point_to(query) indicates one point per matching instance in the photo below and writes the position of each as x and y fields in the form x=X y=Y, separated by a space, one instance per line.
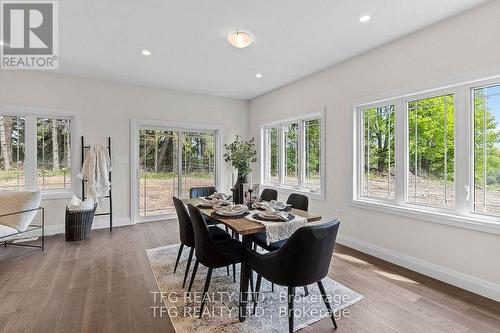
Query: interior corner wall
x=465 y=46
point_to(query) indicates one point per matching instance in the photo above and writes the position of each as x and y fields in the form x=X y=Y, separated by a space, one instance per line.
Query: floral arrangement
x=241 y=154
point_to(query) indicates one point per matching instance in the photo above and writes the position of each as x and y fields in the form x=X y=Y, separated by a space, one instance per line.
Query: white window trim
x=135 y=125
x=301 y=165
x=30 y=162
x=462 y=215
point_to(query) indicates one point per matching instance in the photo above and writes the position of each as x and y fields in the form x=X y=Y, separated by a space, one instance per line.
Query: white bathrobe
x=95 y=171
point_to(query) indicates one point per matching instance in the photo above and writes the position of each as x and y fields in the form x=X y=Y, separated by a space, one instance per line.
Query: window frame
x=462 y=214
x=301 y=165
x=31 y=115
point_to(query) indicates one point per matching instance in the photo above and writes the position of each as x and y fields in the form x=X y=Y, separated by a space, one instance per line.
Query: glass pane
x=431 y=151
x=487 y=150
x=158 y=180
x=312 y=133
x=53 y=154
x=11 y=153
x=378 y=180
x=272 y=155
x=198 y=160
x=291 y=154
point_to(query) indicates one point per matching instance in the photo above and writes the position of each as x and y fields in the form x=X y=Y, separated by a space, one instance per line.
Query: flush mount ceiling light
x=258 y=75
x=365 y=18
x=240 y=39
x=146 y=53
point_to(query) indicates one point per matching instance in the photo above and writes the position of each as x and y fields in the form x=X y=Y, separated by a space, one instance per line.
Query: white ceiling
x=187 y=38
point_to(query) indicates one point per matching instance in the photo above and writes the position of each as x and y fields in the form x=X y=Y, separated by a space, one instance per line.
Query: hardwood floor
x=103 y=284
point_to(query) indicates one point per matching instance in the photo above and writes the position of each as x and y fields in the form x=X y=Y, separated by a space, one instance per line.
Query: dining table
x=246 y=228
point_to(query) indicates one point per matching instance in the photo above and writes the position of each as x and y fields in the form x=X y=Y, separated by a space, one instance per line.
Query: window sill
x=473 y=222
x=290 y=189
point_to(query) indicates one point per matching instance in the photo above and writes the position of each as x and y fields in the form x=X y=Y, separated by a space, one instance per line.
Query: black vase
x=238 y=189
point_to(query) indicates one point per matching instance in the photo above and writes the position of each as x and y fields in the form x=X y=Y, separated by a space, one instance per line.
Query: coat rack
x=109 y=196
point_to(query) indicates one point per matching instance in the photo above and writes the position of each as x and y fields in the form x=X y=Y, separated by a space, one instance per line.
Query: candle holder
x=250 y=199
x=234 y=197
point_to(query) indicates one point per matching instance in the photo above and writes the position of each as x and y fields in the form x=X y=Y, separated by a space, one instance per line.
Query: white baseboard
x=100 y=222
x=465 y=281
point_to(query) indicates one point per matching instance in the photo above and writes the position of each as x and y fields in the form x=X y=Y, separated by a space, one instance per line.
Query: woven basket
x=79 y=223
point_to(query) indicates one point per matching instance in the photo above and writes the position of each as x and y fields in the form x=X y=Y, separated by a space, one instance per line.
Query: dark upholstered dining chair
x=304 y=259
x=196 y=192
x=268 y=194
x=210 y=253
x=298 y=201
x=186 y=234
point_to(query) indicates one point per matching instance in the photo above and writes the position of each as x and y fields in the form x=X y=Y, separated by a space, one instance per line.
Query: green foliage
x=241 y=154
x=429 y=142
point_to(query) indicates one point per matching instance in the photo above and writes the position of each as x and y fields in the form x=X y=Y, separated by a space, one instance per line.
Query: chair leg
x=272 y=287
x=205 y=290
x=188 y=266
x=234 y=273
x=255 y=246
x=257 y=289
x=306 y=291
x=291 y=296
x=195 y=268
x=178 y=256
x=251 y=285
x=227 y=269
x=325 y=299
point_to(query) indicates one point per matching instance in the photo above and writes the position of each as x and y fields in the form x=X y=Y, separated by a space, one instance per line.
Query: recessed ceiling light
x=365 y=18
x=240 y=39
x=146 y=52
x=258 y=75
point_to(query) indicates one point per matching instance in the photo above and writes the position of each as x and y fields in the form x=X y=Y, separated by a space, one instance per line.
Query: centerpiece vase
x=238 y=189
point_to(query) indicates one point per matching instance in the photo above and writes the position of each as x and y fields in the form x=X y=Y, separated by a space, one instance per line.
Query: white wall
x=105 y=109
x=463 y=47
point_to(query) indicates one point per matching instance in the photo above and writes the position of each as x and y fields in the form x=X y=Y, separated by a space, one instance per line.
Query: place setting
x=216 y=199
x=230 y=211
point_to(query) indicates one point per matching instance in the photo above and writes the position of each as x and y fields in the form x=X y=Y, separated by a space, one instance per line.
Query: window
x=378 y=153
x=170 y=162
x=11 y=153
x=293 y=154
x=431 y=151
x=35 y=153
x=413 y=152
x=487 y=150
x=272 y=147
x=312 y=134
x=53 y=154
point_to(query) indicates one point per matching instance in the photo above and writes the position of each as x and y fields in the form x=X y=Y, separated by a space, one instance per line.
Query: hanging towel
x=95 y=170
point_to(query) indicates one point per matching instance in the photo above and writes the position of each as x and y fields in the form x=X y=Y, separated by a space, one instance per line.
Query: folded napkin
x=271 y=212
x=231 y=208
x=278 y=205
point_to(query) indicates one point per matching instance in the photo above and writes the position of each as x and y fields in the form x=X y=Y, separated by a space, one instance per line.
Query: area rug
x=221 y=310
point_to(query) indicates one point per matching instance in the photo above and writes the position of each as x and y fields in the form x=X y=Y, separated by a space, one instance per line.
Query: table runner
x=277 y=231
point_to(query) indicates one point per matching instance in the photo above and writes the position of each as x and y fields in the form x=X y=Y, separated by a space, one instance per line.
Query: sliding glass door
x=169 y=163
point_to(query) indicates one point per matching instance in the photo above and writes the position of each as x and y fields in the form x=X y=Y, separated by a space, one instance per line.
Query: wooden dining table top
x=242 y=225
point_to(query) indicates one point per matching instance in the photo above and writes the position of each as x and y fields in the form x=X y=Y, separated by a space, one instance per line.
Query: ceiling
x=104 y=39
